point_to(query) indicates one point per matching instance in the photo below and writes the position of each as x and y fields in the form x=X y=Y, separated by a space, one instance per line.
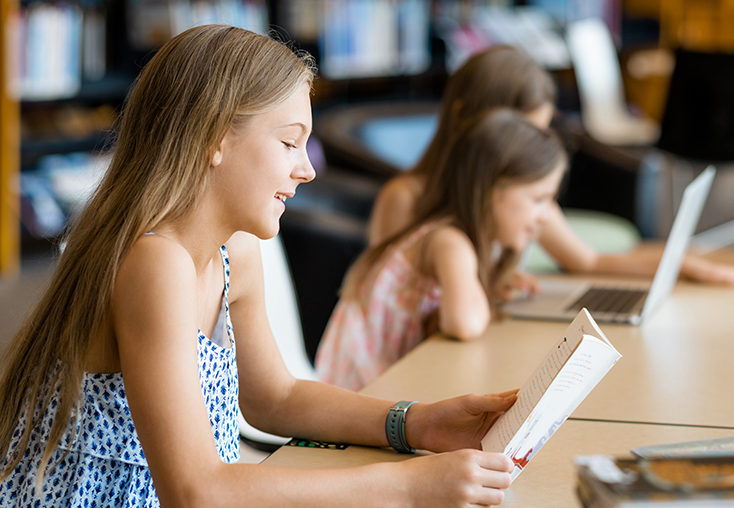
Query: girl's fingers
x=491 y=492
x=496 y=470
x=495 y=462
x=506 y=394
x=489 y=497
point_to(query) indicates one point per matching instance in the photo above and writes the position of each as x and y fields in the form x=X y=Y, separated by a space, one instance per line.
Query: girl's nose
x=304 y=171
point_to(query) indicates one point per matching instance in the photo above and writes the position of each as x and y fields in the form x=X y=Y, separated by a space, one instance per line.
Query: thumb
x=498 y=402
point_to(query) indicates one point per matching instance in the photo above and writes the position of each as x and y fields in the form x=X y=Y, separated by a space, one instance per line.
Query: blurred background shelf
x=379 y=60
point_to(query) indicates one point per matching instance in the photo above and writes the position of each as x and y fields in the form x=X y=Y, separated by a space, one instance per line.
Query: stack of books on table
x=660 y=477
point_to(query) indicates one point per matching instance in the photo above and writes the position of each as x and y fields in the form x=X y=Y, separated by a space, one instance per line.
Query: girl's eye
x=289 y=145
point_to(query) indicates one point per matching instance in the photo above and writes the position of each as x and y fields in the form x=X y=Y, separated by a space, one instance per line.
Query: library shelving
x=9 y=152
x=67 y=67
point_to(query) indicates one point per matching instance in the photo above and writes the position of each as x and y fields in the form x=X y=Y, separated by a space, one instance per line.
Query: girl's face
x=260 y=165
x=541 y=117
x=519 y=210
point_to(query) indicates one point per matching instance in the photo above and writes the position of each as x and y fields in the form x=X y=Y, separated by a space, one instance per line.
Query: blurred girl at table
x=505 y=76
x=122 y=387
x=499 y=179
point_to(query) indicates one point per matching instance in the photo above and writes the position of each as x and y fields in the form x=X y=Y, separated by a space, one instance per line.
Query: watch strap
x=395 y=427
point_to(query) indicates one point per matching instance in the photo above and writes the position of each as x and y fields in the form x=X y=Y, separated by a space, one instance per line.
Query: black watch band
x=395 y=427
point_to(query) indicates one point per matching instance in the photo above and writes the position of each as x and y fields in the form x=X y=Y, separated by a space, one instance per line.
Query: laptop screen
x=686 y=220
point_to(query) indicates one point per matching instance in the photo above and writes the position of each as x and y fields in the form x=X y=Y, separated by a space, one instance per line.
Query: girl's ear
x=218 y=155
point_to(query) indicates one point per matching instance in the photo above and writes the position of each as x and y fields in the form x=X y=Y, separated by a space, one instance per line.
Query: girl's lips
x=283 y=195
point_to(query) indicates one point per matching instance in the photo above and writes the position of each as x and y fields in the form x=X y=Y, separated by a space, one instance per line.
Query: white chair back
x=603 y=106
x=282 y=310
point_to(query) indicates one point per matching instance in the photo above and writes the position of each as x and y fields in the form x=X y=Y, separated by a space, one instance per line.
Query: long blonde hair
x=499 y=77
x=200 y=84
x=493 y=148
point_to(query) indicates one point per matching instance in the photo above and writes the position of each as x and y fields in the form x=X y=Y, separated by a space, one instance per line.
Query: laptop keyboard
x=610 y=300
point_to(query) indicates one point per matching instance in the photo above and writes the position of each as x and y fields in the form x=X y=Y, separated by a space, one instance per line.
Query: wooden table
x=549 y=480
x=677 y=367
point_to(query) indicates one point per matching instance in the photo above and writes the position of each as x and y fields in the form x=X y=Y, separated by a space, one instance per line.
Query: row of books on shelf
x=153 y=22
x=362 y=38
x=359 y=38
x=53 y=47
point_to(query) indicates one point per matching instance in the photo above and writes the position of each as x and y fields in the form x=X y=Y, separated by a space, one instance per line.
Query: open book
x=563 y=379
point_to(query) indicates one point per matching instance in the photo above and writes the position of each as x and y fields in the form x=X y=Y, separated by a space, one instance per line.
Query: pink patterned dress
x=363 y=338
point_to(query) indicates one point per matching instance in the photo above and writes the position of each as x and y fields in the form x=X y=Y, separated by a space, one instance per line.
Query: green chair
x=604 y=232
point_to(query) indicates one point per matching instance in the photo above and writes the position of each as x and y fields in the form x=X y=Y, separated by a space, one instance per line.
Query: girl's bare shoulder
x=154 y=298
x=156 y=257
x=394 y=207
x=157 y=277
x=402 y=189
x=449 y=236
x=445 y=243
x=449 y=242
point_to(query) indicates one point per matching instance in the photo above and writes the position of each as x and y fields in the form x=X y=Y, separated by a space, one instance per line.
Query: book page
x=532 y=391
x=587 y=365
x=508 y=424
x=566 y=376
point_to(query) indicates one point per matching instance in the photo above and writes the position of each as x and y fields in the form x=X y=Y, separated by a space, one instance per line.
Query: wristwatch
x=395 y=427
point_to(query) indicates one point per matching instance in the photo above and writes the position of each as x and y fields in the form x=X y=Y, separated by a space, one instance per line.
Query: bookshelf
x=366 y=49
x=73 y=63
x=9 y=149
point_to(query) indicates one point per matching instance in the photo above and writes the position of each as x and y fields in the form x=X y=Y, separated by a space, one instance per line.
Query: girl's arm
x=155 y=310
x=273 y=401
x=464 y=312
x=575 y=256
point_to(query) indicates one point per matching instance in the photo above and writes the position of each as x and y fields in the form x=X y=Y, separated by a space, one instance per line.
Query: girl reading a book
x=507 y=76
x=122 y=387
x=498 y=181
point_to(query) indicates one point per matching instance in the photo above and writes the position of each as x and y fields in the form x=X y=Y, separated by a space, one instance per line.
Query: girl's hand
x=456 y=423
x=709 y=272
x=458 y=479
x=520 y=282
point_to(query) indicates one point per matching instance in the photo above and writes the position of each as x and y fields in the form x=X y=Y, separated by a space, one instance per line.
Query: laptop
x=563 y=299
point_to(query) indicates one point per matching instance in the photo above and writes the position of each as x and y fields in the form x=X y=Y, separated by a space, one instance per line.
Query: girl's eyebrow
x=295 y=124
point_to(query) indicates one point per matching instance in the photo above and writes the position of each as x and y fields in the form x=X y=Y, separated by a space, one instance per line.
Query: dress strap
x=228 y=320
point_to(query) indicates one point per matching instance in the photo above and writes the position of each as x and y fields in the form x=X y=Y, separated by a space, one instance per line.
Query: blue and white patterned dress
x=105 y=464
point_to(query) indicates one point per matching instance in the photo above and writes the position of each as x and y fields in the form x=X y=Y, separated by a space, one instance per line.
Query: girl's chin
x=265 y=231
x=520 y=245
x=515 y=246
